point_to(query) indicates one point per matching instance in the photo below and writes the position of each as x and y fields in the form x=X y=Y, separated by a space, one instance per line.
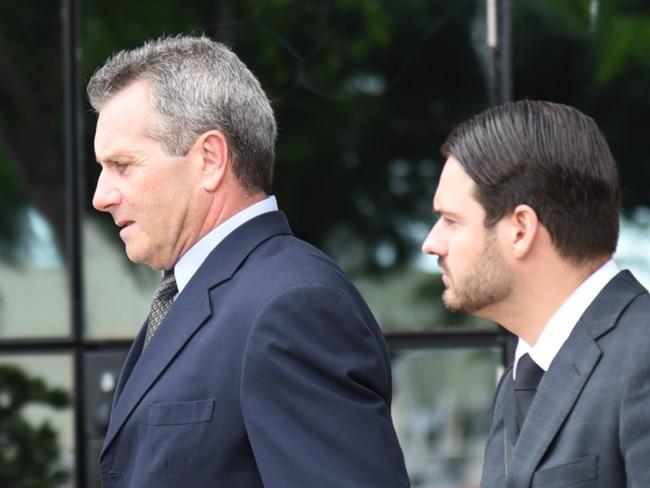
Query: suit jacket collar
x=562 y=383
x=190 y=310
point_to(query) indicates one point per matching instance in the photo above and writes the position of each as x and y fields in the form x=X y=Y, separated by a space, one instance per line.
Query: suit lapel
x=510 y=418
x=129 y=363
x=557 y=393
x=511 y=431
x=179 y=325
x=564 y=381
x=188 y=313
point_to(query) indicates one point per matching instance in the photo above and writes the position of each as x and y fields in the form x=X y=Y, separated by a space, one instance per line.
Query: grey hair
x=197 y=85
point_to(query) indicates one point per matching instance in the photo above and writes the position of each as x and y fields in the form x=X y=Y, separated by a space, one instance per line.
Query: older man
x=259 y=364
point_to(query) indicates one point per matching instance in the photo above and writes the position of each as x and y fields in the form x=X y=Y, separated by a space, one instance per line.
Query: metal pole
x=504 y=53
x=74 y=211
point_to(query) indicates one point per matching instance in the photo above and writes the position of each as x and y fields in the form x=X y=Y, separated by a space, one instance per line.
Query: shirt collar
x=558 y=329
x=194 y=257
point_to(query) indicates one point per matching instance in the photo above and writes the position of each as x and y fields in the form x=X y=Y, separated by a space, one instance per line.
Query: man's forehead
x=122 y=120
x=127 y=106
x=454 y=185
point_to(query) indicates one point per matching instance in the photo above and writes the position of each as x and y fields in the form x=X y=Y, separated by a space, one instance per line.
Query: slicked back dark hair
x=551 y=157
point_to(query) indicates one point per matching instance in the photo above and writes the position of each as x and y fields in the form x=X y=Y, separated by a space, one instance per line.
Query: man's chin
x=451 y=301
x=146 y=259
x=135 y=255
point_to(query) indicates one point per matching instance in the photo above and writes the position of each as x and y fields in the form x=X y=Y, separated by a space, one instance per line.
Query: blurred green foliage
x=592 y=54
x=365 y=91
x=29 y=454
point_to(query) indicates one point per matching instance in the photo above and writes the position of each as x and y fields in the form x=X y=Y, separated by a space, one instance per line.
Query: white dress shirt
x=194 y=257
x=561 y=324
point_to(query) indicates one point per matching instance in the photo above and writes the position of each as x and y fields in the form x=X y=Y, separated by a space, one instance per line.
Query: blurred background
x=365 y=92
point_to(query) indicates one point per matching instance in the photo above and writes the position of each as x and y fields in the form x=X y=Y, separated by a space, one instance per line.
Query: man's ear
x=523 y=227
x=214 y=152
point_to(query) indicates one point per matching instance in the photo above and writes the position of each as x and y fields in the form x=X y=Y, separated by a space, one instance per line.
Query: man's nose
x=433 y=244
x=106 y=194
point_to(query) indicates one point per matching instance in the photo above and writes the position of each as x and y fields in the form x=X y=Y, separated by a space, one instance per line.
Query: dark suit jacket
x=589 y=424
x=269 y=370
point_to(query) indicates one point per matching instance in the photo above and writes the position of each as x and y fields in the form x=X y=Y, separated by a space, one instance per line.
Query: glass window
x=36 y=421
x=34 y=298
x=364 y=98
x=118 y=293
x=441 y=409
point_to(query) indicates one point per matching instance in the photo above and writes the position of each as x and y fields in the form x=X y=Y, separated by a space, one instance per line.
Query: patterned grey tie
x=162 y=300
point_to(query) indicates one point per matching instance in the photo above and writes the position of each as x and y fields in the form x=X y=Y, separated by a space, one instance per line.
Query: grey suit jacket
x=589 y=424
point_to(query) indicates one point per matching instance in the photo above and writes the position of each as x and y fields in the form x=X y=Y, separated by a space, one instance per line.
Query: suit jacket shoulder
x=587 y=422
x=269 y=370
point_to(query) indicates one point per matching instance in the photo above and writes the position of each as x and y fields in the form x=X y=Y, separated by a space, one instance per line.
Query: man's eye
x=448 y=221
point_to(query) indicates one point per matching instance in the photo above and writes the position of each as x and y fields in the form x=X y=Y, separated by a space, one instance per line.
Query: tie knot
x=163 y=298
x=529 y=373
x=167 y=288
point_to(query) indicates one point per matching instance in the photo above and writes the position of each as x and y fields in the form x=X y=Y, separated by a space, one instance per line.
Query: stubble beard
x=489 y=283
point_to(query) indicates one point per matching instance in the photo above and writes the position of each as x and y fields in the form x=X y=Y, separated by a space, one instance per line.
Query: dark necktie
x=528 y=377
x=163 y=298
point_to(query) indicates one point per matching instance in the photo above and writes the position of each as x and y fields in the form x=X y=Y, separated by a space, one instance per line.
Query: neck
x=219 y=213
x=539 y=293
x=226 y=207
x=216 y=212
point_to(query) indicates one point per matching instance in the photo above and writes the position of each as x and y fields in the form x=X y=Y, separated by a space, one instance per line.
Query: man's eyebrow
x=101 y=161
x=114 y=158
x=441 y=210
